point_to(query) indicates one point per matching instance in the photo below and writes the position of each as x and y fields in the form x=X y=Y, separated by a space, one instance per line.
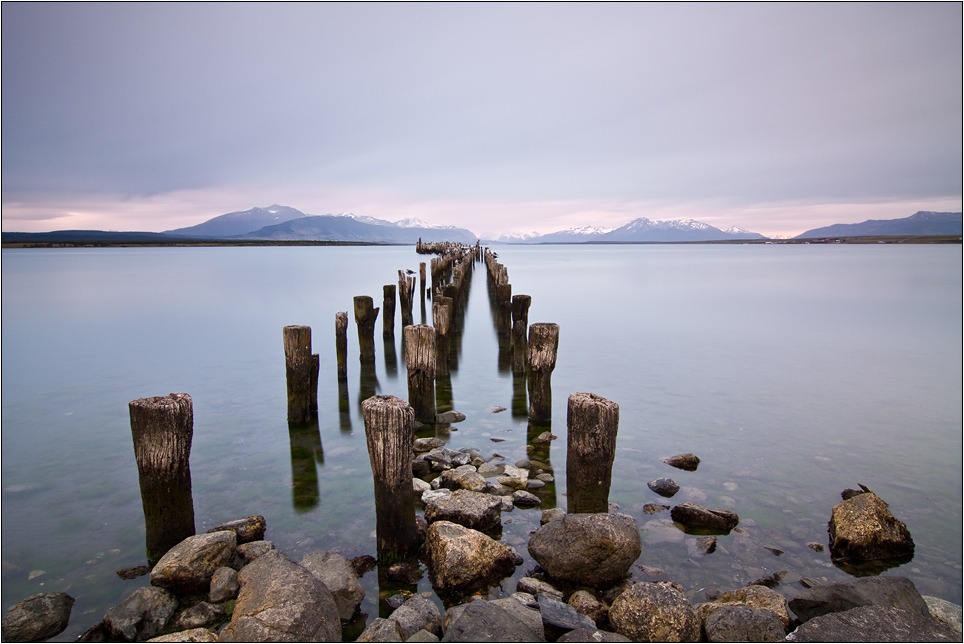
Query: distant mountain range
x=638 y=230
x=922 y=222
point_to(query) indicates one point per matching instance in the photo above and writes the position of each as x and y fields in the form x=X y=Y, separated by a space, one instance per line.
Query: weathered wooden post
x=406 y=288
x=365 y=317
x=388 y=311
x=162 y=429
x=420 y=361
x=592 y=422
x=543 y=345
x=341 y=343
x=442 y=321
x=390 y=433
x=299 y=366
x=520 y=322
x=421 y=278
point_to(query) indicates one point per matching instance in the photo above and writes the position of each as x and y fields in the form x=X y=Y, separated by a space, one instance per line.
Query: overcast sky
x=497 y=117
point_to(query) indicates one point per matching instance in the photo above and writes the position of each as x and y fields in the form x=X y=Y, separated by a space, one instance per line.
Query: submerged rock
x=664 y=487
x=690 y=515
x=687 y=462
x=592 y=549
x=863 y=528
x=38 y=617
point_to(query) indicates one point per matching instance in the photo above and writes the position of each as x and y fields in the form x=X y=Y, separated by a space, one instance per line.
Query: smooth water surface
x=793 y=372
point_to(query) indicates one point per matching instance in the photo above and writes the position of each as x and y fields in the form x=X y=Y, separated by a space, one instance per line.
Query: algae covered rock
x=862 y=528
x=650 y=612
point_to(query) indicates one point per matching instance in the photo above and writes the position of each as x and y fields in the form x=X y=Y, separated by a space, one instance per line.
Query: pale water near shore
x=792 y=371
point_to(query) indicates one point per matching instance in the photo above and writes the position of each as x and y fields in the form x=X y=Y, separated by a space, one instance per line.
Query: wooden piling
x=390 y=433
x=520 y=322
x=543 y=345
x=388 y=310
x=365 y=316
x=341 y=343
x=421 y=278
x=299 y=366
x=162 y=429
x=406 y=290
x=592 y=423
x=442 y=321
x=420 y=361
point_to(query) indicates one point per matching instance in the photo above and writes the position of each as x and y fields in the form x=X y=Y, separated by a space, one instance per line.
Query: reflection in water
x=306 y=452
x=367 y=382
x=391 y=358
x=443 y=392
x=538 y=443
x=520 y=401
x=344 y=406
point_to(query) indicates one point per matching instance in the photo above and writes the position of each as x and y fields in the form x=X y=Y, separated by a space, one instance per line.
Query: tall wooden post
x=365 y=317
x=442 y=309
x=299 y=366
x=341 y=343
x=390 y=433
x=162 y=429
x=592 y=422
x=420 y=361
x=388 y=311
x=520 y=322
x=421 y=278
x=543 y=345
x=406 y=288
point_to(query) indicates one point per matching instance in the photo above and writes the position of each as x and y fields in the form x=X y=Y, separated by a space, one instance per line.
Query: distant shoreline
x=55 y=242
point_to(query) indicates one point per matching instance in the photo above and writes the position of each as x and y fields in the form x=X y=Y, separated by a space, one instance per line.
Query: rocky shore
x=232 y=585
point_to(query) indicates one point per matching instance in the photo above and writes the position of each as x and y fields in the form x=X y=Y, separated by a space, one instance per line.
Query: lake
x=792 y=371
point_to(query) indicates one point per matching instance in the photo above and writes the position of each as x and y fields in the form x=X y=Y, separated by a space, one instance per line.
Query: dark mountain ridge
x=923 y=222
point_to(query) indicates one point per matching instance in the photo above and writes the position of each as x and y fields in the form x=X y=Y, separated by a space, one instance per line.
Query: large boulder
x=755 y=597
x=187 y=568
x=281 y=601
x=558 y=618
x=141 y=616
x=650 y=612
x=947 y=613
x=592 y=549
x=837 y=597
x=483 y=621
x=471 y=509
x=691 y=515
x=732 y=623
x=248 y=529
x=339 y=577
x=462 y=559
x=862 y=528
x=191 y=635
x=416 y=614
x=38 y=617
x=872 y=624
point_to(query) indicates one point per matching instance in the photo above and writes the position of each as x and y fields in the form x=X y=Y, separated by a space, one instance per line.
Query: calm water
x=792 y=371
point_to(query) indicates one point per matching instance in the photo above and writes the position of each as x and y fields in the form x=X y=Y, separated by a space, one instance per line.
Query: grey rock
x=38 y=617
x=382 y=630
x=187 y=568
x=535 y=484
x=525 y=499
x=527 y=610
x=428 y=495
x=899 y=592
x=863 y=528
x=535 y=587
x=649 y=612
x=423 y=636
x=488 y=470
x=592 y=549
x=743 y=624
x=142 y=615
x=418 y=613
x=664 y=487
x=282 y=601
x=514 y=477
x=684 y=462
x=427 y=444
x=419 y=487
x=463 y=477
x=462 y=559
x=526 y=599
x=872 y=624
x=254 y=549
x=224 y=585
x=498 y=489
x=551 y=515
x=559 y=618
x=191 y=635
x=585 y=635
x=757 y=597
x=585 y=603
x=200 y=615
x=461 y=458
x=483 y=621
x=247 y=529
x=449 y=417
x=339 y=577
x=946 y=613
x=691 y=515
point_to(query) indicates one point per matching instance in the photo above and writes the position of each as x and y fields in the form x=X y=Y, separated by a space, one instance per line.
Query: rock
x=535 y=587
x=584 y=635
x=862 y=528
x=440 y=459
x=526 y=608
x=507 y=504
x=463 y=559
x=142 y=615
x=946 y=613
x=200 y=615
x=514 y=477
x=248 y=530
x=743 y=624
x=339 y=577
x=419 y=487
x=585 y=603
x=187 y=568
x=449 y=417
x=816 y=547
x=420 y=466
x=899 y=592
x=254 y=549
x=524 y=499
x=551 y=515
x=687 y=462
x=690 y=515
x=664 y=487
x=649 y=612
x=758 y=597
x=192 y=635
x=423 y=636
x=462 y=458
x=405 y=572
x=382 y=630
x=418 y=613
x=38 y=617
x=427 y=444
x=470 y=509
x=488 y=470
x=558 y=618
x=224 y=585
x=592 y=549
x=872 y=624
x=484 y=621
x=282 y=601
x=363 y=564
x=654 y=508
x=133 y=572
x=429 y=495
x=544 y=438
x=535 y=484
x=463 y=477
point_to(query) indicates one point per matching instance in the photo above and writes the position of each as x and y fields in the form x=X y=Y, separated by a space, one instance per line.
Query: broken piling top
x=341 y=343
x=365 y=315
x=420 y=359
x=543 y=346
x=300 y=373
x=592 y=423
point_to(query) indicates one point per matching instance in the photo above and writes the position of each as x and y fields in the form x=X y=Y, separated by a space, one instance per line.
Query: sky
x=499 y=118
